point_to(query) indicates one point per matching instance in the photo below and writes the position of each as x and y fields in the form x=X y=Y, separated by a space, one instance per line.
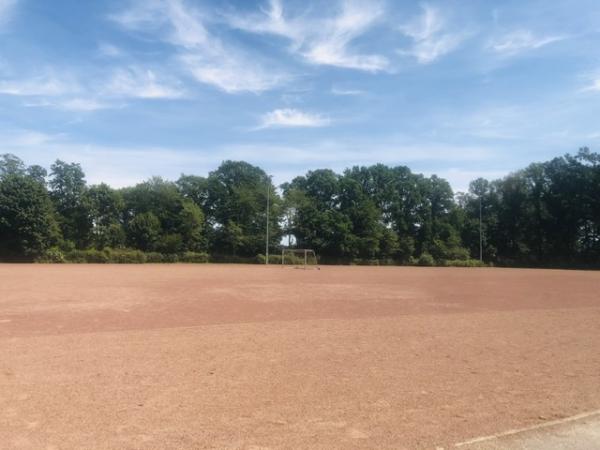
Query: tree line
x=547 y=214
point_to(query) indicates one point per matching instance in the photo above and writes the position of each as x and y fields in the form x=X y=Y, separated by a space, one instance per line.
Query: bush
x=154 y=257
x=87 y=256
x=426 y=260
x=170 y=258
x=125 y=256
x=364 y=262
x=273 y=259
x=230 y=259
x=52 y=255
x=194 y=257
x=463 y=263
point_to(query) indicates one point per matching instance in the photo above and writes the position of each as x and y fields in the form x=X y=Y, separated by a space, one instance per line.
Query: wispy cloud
x=594 y=86
x=6 y=8
x=289 y=117
x=522 y=40
x=204 y=56
x=430 y=35
x=346 y=92
x=318 y=40
x=64 y=91
x=134 y=82
x=592 y=83
x=45 y=85
x=74 y=104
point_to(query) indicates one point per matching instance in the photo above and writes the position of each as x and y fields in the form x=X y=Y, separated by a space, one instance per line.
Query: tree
x=106 y=206
x=181 y=222
x=191 y=226
x=38 y=173
x=68 y=189
x=144 y=231
x=27 y=224
x=367 y=228
x=11 y=165
x=194 y=188
x=236 y=209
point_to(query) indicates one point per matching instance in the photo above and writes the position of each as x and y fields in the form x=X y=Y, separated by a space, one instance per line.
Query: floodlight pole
x=480 y=232
x=267 y=236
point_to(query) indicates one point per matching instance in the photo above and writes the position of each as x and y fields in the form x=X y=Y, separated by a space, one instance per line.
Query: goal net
x=303 y=258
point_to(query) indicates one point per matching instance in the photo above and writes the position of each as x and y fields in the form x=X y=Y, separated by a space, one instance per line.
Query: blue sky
x=135 y=88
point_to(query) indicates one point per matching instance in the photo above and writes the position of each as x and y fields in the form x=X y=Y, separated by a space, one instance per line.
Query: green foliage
x=106 y=206
x=194 y=257
x=119 y=256
x=52 y=255
x=11 y=165
x=194 y=188
x=236 y=209
x=290 y=259
x=91 y=256
x=67 y=190
x=462 y=263
x=426 y=260
x=170 y=244
x=27 y=222
x=144 y=231
x=158 y=217
x=125 y=256
x=545 y=214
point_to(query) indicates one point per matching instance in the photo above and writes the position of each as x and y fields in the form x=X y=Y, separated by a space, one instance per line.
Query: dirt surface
x=252 y=357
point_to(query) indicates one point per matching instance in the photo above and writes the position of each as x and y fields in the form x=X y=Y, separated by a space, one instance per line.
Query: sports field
x=253 y=357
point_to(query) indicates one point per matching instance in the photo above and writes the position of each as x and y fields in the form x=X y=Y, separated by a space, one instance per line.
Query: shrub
x=463 y=263
x=230 y=259
x=194 y=257
x=426 y=260
x=52 y=255
x=87 y=256
x=125 y=256
x=169 y=258
x=75 y=256
x=154 y=257
x=273 y=259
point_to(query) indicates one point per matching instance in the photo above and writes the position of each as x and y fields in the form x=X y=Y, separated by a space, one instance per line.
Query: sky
x=136 y=88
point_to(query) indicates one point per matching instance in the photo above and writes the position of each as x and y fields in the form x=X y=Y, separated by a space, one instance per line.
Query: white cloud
x=321 y=41
x=63 y=91
x=74 y=104
x=346 y=92
x=522 y=40
x=137 y=83
x=204 y=56
x=46 y=85
x=431 y=39
x=591 y=81
x=593 y=86
x=289 y=117
x=230 y=71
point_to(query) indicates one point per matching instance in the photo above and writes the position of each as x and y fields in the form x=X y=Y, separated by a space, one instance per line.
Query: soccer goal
x=304 y=258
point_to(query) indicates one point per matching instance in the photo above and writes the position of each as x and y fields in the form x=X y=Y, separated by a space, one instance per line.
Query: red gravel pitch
x=251 y=357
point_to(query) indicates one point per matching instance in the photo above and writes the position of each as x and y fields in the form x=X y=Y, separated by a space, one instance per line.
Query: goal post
x=299 y=257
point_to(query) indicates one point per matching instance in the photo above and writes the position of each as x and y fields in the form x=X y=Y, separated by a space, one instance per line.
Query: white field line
x=531 y=428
